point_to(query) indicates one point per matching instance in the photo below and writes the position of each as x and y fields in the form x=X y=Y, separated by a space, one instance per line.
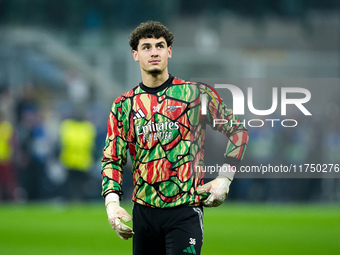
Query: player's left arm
x=238 y=137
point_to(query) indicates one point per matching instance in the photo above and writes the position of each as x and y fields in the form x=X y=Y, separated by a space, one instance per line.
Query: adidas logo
x=190 y=250
x=139 y=114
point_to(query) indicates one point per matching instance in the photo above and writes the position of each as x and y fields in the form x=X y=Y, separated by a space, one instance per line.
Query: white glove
x=116 y=215
x=216 y=190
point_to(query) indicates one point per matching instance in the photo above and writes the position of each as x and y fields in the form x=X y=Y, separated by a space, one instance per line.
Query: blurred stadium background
x=71 y=59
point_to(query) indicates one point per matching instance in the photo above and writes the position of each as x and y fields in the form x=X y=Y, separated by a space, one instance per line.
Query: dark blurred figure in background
x=33 y=148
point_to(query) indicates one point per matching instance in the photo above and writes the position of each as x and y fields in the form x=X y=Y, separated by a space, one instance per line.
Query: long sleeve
x=221 y=118
x=115 y=151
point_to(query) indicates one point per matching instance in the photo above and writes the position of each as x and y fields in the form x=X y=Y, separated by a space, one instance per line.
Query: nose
x=154 y=52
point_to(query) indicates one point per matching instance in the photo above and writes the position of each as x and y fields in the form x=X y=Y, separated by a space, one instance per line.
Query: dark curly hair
x=150 y=29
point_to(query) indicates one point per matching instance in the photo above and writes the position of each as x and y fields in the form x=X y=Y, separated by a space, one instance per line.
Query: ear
x=169 y=52
x=135 y=55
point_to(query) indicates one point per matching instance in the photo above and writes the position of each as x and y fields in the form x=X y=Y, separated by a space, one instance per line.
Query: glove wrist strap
x=227 y=171
x=111 y=198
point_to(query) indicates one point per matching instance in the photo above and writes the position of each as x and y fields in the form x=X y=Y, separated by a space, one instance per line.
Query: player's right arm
x=113 y=161
x=115 y=152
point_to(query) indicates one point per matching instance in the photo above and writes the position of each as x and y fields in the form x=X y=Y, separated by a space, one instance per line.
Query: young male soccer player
x=160 y=123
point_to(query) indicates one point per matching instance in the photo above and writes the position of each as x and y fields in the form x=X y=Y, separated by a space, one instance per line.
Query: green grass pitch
x=230 y=229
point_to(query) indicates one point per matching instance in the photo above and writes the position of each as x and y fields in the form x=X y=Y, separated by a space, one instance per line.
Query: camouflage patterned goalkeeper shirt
x=163 y=130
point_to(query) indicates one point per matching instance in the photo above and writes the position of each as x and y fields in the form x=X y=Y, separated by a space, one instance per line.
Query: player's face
x=152 y=54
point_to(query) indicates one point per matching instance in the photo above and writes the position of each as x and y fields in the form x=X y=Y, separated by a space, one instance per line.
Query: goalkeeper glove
x=116 y=215
x=216 y=191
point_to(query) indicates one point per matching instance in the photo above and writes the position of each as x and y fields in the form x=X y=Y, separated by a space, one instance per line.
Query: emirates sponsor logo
x=157 y=131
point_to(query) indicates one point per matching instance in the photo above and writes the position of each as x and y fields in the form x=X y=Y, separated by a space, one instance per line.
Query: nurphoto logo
x=239 y=105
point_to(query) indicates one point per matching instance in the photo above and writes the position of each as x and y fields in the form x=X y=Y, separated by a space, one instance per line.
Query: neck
x=154 y=81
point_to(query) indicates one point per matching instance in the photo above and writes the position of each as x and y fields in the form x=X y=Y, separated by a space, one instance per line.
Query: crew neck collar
x=167 y=83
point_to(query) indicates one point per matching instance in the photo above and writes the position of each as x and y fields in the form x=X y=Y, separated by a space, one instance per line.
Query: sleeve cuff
x=232 y=161
x=119 y=193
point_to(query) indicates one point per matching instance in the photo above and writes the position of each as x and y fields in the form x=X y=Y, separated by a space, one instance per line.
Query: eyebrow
x=158 y=43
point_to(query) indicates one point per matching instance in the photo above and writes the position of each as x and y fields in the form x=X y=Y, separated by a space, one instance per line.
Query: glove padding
x=116 y=215
x=216 y=191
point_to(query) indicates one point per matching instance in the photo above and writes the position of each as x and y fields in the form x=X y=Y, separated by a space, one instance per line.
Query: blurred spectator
x=297 y=146
x=78 y=89
x=263 y=150
x=77 y=140
x=6 y=103
x=331 y=150
x=8 y=181
x=32 y=147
